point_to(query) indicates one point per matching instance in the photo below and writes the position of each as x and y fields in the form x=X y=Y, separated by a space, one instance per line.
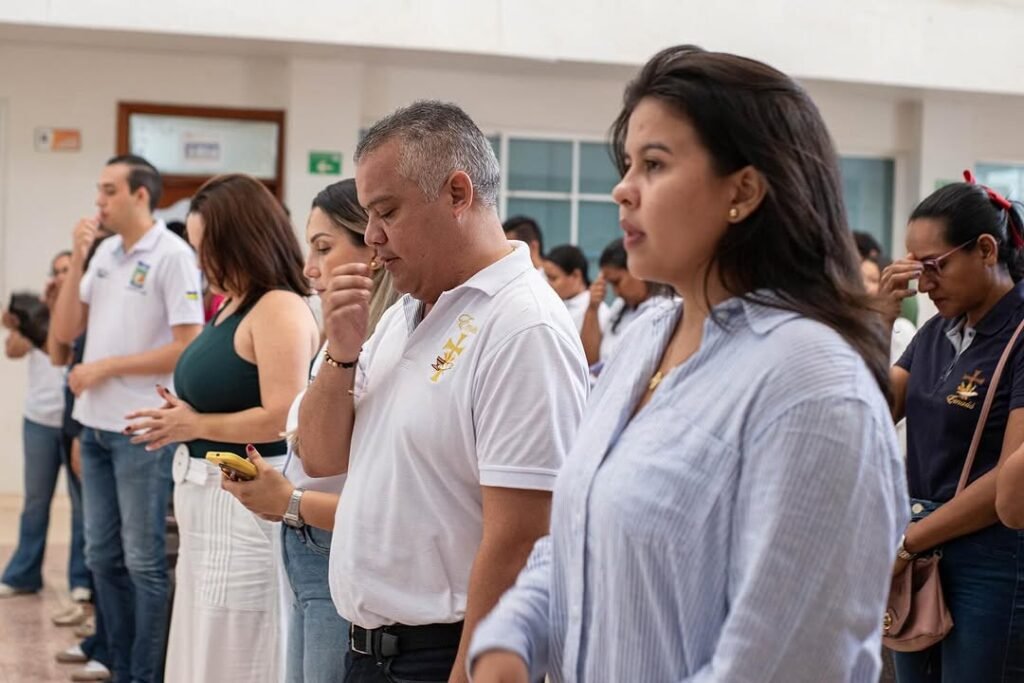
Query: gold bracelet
x=338 y=364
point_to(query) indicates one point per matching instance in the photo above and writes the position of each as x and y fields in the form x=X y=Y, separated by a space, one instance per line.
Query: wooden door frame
x=180 y=186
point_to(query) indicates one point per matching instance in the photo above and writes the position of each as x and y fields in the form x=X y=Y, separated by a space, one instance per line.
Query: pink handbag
x=916 y=617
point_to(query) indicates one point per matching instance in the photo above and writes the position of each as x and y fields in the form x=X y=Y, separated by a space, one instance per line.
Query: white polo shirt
x=134 y=299
x=487 y=390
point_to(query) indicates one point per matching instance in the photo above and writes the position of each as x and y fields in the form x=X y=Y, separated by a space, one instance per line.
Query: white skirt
x=226 y=620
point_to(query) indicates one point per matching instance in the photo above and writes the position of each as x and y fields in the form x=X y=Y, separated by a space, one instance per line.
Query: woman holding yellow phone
x=307 y=504
x=234 y=384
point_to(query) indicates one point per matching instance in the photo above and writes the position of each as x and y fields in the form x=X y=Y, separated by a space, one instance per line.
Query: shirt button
x=917 y=508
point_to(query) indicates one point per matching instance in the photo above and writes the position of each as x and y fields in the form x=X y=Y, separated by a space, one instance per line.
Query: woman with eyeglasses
x=965 y=243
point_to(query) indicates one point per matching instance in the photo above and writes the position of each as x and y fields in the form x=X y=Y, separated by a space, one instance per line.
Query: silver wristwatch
x=291 y=516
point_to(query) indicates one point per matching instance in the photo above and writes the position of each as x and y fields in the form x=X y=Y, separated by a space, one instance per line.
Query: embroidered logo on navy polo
x=966 y=391
x=453 y=348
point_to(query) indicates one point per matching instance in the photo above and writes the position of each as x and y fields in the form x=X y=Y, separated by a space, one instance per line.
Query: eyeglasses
x=933 y=265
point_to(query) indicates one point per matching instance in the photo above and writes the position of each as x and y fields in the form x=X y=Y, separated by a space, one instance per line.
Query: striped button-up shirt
x=741 y=527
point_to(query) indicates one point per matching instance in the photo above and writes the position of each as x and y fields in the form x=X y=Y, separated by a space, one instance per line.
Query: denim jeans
x=317 y=636
x=95 y=646
x=126 y=491
x=983 y=584
x=44 y=455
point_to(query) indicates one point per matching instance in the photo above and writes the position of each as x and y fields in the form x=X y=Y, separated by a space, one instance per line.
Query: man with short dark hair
x=140 y=304
x=526 y=229
x=453 y=419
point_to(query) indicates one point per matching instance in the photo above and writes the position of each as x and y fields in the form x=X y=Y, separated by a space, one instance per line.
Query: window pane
x=599 y=225
x=597 y=172
x=1004 y=179
x=553 y=217
x=867 y=190
x=540 y=165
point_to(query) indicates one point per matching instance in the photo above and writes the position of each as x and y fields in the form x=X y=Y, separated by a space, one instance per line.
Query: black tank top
x=212 y=378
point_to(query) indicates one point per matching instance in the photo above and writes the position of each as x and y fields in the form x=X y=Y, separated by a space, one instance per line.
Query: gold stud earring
x=734 y=213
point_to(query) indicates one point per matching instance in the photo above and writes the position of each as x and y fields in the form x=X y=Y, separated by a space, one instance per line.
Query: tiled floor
x=28 y=640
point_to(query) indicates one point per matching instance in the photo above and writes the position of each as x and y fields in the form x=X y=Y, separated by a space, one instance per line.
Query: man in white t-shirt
x=453 y=419
x=140 y=305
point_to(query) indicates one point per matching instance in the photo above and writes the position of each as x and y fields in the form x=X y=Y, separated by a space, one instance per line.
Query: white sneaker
x=81 y=594
x=93 y=671
x=10 y=591
x=72 y=655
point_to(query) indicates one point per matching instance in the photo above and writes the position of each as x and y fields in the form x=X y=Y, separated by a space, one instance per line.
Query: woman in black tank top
x=235 y=383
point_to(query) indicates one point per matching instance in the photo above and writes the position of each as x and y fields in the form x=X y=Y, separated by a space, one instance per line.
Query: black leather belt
x=391 y=641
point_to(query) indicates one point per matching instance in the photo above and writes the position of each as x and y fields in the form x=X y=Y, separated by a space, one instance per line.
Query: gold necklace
x=655 y=381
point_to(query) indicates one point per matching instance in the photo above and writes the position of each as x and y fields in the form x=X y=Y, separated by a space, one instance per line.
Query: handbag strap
x=986 y=407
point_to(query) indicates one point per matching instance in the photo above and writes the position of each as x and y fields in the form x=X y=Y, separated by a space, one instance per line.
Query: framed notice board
x=189 y=145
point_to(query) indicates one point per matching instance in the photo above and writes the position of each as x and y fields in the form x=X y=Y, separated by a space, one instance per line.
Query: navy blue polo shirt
x=945 y=393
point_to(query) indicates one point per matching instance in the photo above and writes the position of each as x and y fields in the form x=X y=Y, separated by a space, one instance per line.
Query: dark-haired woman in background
x=732 y=503
x=566 y=268
x=964 y=244
x=307 y=505
x=602 y=330
x=235 y=383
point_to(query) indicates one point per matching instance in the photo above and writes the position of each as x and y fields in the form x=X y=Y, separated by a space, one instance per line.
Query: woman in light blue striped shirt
x=735 y=496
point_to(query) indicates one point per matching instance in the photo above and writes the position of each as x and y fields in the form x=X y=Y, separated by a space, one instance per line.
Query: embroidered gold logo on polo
x=454 y=347
x=966 y=390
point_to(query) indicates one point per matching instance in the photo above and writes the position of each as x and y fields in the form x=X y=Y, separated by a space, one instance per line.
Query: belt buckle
x=355 y=646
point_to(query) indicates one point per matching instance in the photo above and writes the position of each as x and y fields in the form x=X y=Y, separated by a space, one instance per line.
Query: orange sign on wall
x=58 y=139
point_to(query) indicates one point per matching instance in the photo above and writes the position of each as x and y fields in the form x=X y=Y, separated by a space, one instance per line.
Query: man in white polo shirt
x=453 y=419
x=140 y=305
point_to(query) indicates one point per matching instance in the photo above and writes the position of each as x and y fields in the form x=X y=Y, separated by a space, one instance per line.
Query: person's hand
x=346 y=310
x=174 y=422
x=900 y=566
x=86 y=375
x=9 y=320
x=500 y=666
x=598 y=290
x=267 y=495
x=894 y=286
x=83 y=237
x=51 y=292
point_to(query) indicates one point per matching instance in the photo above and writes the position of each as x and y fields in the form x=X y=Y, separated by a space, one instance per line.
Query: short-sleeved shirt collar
x=490 y=280
x=147 y=242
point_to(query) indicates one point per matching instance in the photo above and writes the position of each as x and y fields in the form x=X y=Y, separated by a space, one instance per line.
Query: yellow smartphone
x=240 y=466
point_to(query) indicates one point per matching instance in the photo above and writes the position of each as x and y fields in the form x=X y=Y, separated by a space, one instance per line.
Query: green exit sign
x=325 y=163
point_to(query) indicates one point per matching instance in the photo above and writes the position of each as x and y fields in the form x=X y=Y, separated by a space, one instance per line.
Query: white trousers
x=226 y=620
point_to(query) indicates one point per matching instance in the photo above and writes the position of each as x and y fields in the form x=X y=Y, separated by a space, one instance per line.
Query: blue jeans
x=95 y=646
x=126 y=492
x=44 y=454
x=983 y=584
x=317 y=636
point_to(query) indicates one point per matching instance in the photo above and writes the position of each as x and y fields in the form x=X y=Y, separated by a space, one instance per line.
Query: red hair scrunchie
x=1004 y=204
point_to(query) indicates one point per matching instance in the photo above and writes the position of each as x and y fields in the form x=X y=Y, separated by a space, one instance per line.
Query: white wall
x=918 y=43
x=932 y=135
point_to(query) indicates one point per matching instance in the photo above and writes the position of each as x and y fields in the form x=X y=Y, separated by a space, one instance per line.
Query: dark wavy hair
x=248 y=242
x=797 y=244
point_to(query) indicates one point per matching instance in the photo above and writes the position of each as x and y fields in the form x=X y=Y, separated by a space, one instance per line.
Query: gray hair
x=437 y=138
